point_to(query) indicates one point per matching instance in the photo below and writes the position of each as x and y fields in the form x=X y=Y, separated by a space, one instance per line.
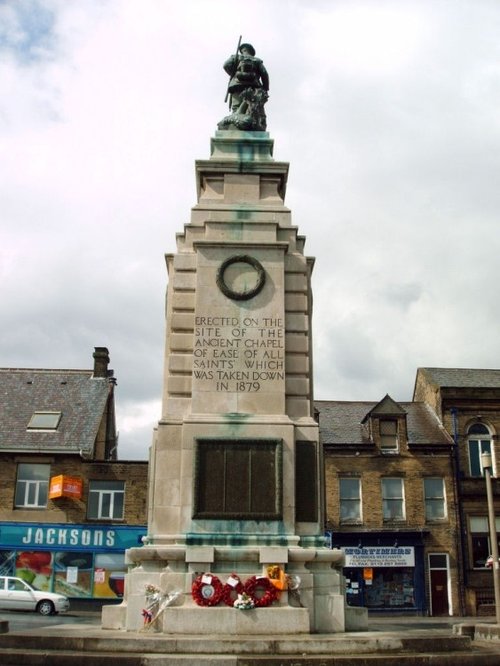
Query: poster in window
x=109 y=575
x=7 y=562
x=35 y=567
x=73 y=573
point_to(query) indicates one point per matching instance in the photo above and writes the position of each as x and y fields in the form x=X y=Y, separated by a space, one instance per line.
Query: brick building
x=68 y=507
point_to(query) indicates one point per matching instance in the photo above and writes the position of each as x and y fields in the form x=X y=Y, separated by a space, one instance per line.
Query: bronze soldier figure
x=248 y=90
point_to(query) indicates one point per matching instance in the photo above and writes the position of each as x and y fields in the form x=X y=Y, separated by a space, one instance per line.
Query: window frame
x=482 y=443
x=346 y=501
x=43 y=413
x=103 y=495
x=39 y=488
x=388 y=517
x=392 y=437
x=432 y=500
x=484 y=534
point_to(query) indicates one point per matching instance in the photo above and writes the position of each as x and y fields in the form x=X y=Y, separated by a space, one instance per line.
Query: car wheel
x=45 y=607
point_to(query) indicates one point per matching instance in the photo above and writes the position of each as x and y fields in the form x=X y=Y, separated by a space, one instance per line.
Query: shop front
x=80 y=561
x=383 y=573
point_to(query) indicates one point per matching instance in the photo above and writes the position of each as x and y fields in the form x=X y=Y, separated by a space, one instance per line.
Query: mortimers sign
x=380 y=557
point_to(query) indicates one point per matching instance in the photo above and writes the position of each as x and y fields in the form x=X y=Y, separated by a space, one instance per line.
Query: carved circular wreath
x=244 y=294
x=231 y=589
x=261 y=591
x=207 y=590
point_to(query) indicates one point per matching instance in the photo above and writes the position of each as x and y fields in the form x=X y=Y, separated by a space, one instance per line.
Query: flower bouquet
x=244 y=602
x=152 y=594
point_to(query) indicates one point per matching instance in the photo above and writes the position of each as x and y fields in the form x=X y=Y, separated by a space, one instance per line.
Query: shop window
x=32 y=485
x=388 y=436
x=478 y=441
x=44 y=421
x=435 y=504
x=73 y=573
x=480 y=540
x=350 y=500
x=391 y=588
x=393 y=506
x=106 y=500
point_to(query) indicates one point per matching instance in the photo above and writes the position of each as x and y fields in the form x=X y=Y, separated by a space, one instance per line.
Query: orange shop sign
x=65 y=486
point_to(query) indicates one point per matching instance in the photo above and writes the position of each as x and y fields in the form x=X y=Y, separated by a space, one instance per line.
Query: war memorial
x=235 y=539
x=234 y=568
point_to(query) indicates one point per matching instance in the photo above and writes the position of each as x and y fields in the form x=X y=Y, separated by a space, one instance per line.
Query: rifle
x=236 y=56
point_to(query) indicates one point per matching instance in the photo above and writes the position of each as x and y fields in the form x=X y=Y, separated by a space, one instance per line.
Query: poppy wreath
x=231 y=589
x=261 y=583
x=206 y=590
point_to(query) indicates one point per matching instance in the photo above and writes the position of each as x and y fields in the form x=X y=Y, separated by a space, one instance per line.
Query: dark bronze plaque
x=306 y=483
x=238 y=479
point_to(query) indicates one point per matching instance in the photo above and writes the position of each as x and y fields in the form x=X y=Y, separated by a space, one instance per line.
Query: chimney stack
x=101 y=360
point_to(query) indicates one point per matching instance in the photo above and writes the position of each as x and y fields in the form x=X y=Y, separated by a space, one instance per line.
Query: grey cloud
x=392 y=180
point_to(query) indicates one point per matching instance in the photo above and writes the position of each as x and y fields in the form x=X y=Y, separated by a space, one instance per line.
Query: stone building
x=68 y=507
x=406 y=495
x=391 y=504
x=467 y=402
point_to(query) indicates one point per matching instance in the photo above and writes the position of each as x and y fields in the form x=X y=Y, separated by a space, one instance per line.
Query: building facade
x=391 y=505
x=68 y=507
x=467 y=401
x=406 y=493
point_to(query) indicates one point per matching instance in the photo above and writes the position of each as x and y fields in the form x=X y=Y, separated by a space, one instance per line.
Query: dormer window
x=388 y=436
x=387 y=425
x=44 y=421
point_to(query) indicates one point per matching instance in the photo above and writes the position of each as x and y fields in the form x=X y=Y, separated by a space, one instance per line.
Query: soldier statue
x=247 y=90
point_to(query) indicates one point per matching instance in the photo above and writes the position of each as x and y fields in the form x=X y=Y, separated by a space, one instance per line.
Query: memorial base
x=316 y=606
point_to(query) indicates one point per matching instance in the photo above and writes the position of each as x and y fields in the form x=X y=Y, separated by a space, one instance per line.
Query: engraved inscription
x=238 y=354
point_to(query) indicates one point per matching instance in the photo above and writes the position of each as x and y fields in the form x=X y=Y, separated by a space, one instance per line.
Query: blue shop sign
x=70 y=537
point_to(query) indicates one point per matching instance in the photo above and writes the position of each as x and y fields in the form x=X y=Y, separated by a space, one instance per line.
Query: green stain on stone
x=235 y=538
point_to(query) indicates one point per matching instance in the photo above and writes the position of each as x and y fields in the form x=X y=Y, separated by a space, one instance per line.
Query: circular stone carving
x=247 y=292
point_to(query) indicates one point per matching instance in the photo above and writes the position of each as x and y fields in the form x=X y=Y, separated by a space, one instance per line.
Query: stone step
x=150 y=643
x=20 y=657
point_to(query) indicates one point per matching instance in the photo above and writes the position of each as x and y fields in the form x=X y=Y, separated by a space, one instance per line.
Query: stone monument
x=236 y=475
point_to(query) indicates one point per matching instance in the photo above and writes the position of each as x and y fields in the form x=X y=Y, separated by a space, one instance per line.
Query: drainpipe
x=462 y=551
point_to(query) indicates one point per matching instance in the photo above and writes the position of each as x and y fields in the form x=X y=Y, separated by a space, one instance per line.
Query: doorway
x=439 y=584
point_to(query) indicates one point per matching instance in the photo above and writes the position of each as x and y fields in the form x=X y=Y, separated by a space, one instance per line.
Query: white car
x=16 y=594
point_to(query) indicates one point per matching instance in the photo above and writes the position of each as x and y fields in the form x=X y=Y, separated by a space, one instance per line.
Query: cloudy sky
x=388 y=112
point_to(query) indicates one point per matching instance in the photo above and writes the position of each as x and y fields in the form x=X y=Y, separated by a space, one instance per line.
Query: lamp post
x=488 y=466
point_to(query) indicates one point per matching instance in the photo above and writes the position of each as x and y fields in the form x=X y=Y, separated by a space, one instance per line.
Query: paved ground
x=19 y=621
x=389 y=641
x=408 y=623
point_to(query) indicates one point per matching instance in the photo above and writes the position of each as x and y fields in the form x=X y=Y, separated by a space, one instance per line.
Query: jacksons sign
x=380 y=557
x=70 y=536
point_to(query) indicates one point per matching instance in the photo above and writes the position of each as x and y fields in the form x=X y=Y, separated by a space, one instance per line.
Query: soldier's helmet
x=249 y=47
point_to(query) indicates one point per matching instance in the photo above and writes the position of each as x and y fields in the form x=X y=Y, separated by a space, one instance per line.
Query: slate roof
x=341 y=423
x=461 y=377
x=80 y=397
